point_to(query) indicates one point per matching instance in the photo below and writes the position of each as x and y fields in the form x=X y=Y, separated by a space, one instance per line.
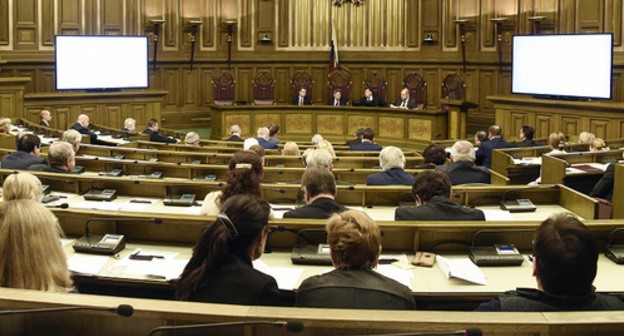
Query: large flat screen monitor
x=563 y=66
x=101 y=62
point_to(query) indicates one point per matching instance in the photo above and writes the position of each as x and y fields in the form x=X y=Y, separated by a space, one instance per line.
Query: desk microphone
x=121 y=310
x=292 y=326
x=58 y=206
x=466 y=332
x=108 y=244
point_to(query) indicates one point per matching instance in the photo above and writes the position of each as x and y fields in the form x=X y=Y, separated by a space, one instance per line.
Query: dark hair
x=566 y=255
x=258 y=150
x=244 y=176
x=368 y=134
x=319 y=180
x=249 y=215
x=359 y=132
x=435 y=154
x=495 y=130
x=482 y=136
x=28 y=142
x=152 y=122
x=431 y=183
x=529 y=131
x=273 y=129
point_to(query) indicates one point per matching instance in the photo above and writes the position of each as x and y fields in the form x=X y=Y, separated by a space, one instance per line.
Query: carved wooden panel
x=590 y=16
x=517 y=120
x=283 y=37
x=70 y=17
x=46 y=81
x=571 y=125
x=487 y=86
x=7 y=104
x=330 y=124
x=47 y=23
x=450 y=12
x=282 y=75
x=170 y=83
x=390 y=127
x=139 y=112
x=112 y=116
x=206 y=92
x=243 y=86
x=62 y=118
x=613 y=20
x=412 y=17
x=394 y=80
x=111 y=17
x=25 y=25
x=419 y=129
x=355 y=121
x=171 y=29
x=620 y=130
x=432 y=78
x=266 y=119
x=298 y=123
x=600 y=127
x=544 y=124
x=245 y=25
x=191 y=88
x=209 y=27
x=4 y=22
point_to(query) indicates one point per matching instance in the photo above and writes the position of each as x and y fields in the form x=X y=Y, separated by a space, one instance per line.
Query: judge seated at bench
x=319 y=192
x=337 y=99
x=369 y=99
x=301 y=98
x=392 y=161
x=462 y=169
x=565 y=258
x=432 y=190
x=404 y=101
x=355 y=245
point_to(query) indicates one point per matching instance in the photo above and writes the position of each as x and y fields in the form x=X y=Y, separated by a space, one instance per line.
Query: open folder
x=461 y=268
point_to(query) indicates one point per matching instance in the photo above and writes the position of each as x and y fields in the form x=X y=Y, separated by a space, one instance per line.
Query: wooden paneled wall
x=390 y=37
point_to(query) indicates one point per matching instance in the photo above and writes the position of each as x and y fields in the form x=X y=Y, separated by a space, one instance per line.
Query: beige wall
x=384 y=36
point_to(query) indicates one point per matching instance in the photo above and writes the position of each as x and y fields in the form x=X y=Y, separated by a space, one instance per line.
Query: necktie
x=300 y=100
x=403 y=103
x=336 y=103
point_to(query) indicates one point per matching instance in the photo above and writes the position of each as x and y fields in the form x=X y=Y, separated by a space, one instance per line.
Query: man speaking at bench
x=565 y=258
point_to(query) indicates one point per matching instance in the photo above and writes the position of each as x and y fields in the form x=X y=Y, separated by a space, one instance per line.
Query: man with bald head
x=462 y=169
x=45 y=117
x=82 y=126
x=484 y=154
x=404 y=101
x=235 y=134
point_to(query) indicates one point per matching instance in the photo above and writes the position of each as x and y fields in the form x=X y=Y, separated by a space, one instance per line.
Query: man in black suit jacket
x=404 y=101
x=368 y=136
x=152 y=130
x=484 y=154
x=302 y=98
x=236 y=133
x=392 y=161
x=337 y=99
x=27 y=154
x=358 y=137
x=604 y=187
x=370 y=99
x=82 y=126
x=463 y=170
x=527 y=132
x=319 y=191
x=432 y=189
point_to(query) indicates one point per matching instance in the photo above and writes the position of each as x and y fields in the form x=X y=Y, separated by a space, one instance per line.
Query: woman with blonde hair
x=31 y=256
x=5 y=125
x=22 y=186
x=324 y=144
x=598 y=145
x=290 y=149
x=355 y=245
x=73 y=138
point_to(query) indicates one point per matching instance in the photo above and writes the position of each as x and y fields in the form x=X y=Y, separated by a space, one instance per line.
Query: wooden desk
x=403 y=128
x=505 y=162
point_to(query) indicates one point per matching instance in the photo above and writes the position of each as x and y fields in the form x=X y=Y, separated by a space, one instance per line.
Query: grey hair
x=319 y=158
x=463 y=151
x=316 y=138
x=391 y=157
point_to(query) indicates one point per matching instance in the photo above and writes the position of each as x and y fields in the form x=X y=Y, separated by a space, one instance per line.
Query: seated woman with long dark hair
x=220 y=270
x=243 y=177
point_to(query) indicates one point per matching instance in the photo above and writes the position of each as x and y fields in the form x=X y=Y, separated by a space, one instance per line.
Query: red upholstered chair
x=377 y=84
x=263 y=89
x=223 y=84
x=301 y=80
x=453 y=87
x=339 y=79
x=417 y=88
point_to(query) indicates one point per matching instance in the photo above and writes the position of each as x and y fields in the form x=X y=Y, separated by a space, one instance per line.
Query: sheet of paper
x=130 y=206
x=398 y=274
x=461 y=268
x=93 y=205
x=65 y=241
x=497 y=215
x=166 y=267
x=86 y=263
x=287 y=277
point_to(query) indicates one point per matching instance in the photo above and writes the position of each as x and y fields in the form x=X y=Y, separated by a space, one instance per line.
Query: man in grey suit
x=463 y=169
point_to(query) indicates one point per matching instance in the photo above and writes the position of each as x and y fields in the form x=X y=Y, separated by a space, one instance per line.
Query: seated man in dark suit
x=319 y=191
x=45 y=117
x=82 y=126
x=27 y=154
x=604 y=187
x=337 y=99
x=432 y=190
x=358 y=137
x=263 y=138
x=61 y=159
x=463 y=170
x=301 y=98
x=370 y=99
x=368 y=136
x=484 y=154
x=355 y=244
x=404 y=101
x=152 y=130
x=392 y=161
x=235 y=134
x=565 y=258
x=527 y=132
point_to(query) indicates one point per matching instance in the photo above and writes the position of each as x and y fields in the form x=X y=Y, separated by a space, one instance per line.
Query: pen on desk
x=530 y=257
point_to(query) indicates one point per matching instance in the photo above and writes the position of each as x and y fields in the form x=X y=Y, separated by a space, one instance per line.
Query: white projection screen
x=101 y=62
x=563 y=66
